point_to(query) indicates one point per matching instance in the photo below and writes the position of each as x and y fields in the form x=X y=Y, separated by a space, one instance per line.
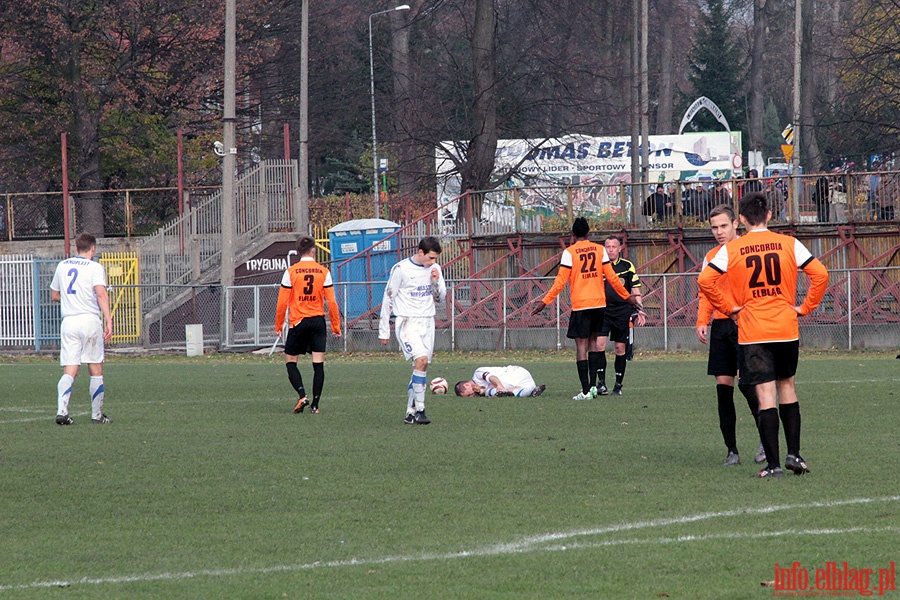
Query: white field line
x=539 y=543
x=45 y=415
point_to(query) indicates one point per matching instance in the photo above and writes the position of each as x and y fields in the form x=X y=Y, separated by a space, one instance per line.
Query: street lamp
x=372 y=84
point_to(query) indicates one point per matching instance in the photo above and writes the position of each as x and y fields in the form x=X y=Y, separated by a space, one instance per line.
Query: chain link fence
x=860 y=310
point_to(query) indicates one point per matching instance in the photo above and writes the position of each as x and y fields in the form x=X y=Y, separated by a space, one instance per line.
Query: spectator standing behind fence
x=762 y=268
x=753 y=184
x=719 y=194
x=822 y=198
x=79 y=285
x=658 y=205
x=689 y=200
x=776 y=200
x=305 y=287
x=583 y=266
x=838 y=197
x=414 y=286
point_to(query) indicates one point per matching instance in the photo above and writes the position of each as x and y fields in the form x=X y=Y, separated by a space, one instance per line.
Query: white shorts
x=415 y=335
x=517 y=377
x=81 y=340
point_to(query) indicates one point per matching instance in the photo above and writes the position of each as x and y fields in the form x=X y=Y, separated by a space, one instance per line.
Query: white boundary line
x=529 y=544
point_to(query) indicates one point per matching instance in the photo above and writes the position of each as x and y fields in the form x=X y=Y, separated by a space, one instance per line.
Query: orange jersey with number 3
x=305 y=287
x=762 y=268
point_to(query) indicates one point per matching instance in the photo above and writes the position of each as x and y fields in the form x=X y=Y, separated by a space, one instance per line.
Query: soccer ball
x=439 y=385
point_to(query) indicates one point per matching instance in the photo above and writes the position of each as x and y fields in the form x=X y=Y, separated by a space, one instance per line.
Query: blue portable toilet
x=349 y=239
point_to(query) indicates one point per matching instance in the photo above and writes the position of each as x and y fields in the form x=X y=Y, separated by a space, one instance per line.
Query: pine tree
x=716 y=69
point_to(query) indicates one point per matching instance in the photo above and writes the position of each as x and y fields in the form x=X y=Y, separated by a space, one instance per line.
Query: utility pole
x=637 y=193
x=795 y=159
x=301 y=198
x=230 y=158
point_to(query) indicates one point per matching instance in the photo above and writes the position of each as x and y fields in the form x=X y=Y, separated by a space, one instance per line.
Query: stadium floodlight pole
x=372 y=90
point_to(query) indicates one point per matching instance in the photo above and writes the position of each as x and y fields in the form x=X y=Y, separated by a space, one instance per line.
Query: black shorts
x=306 y=336
x=769 y=362
x=585 y=323
x=726 y=356
x=616 y=326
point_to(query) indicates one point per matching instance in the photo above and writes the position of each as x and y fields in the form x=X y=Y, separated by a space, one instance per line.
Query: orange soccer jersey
x=582 y=266
x=762 y=270
x=705 y=309
x=304 y=289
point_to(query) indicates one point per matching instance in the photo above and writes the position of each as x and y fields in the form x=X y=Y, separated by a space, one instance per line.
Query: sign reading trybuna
x=266 y=264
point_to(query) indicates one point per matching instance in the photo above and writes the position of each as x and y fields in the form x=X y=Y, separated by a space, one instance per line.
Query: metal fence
x=860 y=310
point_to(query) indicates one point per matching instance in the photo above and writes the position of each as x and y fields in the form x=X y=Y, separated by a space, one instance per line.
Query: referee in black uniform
x=616 y=322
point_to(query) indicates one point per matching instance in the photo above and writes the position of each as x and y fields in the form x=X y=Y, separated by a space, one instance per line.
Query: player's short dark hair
x=614 y=237
x=458 y=387
x=754 y=208
x=85 y=242
x=430 y=244
x=305 y=244
x=580 y=227
x=722 y=209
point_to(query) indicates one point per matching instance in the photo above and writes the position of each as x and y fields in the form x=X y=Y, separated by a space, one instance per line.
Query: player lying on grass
x=501 y=382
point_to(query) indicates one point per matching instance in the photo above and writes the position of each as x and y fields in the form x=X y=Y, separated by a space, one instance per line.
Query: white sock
x=418 y=383
x=63 y=393
x=410 y=399
x=96 y=397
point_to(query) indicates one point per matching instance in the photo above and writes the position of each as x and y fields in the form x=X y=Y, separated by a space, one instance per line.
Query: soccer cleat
x=732 y=459
x=770 y=473
x=602 y=390
x=504 y=394
x=314 y=410
x=617 y=390
x=301 y=404
x=409 y=419
x=103 y=420
x=64 y=420
x=760 y=455
x=796 y=464
x=421 y=418
x=582 y=396
x=538 y=390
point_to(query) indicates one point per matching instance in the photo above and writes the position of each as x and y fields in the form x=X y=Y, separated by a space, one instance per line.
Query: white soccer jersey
x=410 y=292
x=512 y=376
x=75 y=279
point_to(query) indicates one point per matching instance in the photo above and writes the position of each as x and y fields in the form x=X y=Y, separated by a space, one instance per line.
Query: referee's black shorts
x=725 y=355
x=616 y=325
x=306 y=336
x=585 y=323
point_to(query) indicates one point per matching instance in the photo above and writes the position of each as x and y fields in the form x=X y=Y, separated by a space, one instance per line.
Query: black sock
x=749 y=392
x=727 y=416
x=318 y=382
x=295 y=378
x=597 y=366
x=790 y=420
x=768 y=433
x=583 y=375
x=620 y=369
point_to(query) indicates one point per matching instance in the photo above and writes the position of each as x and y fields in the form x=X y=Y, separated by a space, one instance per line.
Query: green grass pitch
x=207 y=486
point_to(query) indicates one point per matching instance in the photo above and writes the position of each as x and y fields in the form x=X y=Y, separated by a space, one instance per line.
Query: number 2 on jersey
x=588 y=262
x=772 y=264
x=73 y=273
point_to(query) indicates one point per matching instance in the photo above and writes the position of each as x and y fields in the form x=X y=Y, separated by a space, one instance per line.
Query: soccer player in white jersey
x=414 y=286
x=500 y=381
x=79 y=285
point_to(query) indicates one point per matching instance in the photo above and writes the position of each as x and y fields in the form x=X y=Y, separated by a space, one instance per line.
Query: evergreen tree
x=717 y=69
